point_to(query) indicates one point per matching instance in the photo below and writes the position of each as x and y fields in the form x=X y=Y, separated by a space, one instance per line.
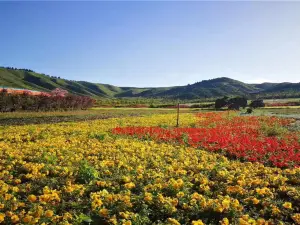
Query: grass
x=282 y=107
x=279 y=111
x=283 y=100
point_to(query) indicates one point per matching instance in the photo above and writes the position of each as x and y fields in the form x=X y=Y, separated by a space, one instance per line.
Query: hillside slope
x=40 y=82
x=27 y=79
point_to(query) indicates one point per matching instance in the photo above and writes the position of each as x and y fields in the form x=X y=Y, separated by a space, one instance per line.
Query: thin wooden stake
x=177 y=124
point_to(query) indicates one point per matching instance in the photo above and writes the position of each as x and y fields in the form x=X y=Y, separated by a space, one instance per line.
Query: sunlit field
x=216 y=168
x=23 y=117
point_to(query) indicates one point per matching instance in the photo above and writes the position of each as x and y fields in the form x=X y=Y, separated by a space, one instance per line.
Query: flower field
x=251 y=138
x=94 y=172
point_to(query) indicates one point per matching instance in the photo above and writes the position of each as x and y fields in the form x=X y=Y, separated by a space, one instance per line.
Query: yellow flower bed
x=76 y=173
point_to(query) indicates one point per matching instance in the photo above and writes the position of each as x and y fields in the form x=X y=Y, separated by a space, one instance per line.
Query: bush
x=249 y=110
x=239 y=101
x=232 y=103
x=221 y=102
x=10 y=102
x=257 y=103
x=234 y=106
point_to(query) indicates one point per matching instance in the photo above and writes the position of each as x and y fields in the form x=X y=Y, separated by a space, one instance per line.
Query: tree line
x=10 y=102
x=237 y=103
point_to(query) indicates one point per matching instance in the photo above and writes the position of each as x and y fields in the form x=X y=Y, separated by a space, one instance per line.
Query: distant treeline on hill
x=203 y=90
x=13 y=68
x=10 y=102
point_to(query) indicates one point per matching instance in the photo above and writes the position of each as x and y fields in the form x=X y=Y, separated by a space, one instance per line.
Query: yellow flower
x=126 y=179
x=180 y=194
x=113 y=220
x=255 y=201
x=226 y=203
x=17 y=181
x=219 y=208
x=224 y=221
x=27 y=219
x=49 y=213
x=103 y=212
x=243 y=222
x=287 y=205
x=2 y=217
x=261 y=221
x=32 y=198
x=67 y=216
x=15 y=189
x=174 y=202
x=275 y=210
x=9 y=213
x=295 y=217
x=15 y=219
x=129 y=185
x=148 y=197
x=197 y=222
x=173 y=221
x=124 y=215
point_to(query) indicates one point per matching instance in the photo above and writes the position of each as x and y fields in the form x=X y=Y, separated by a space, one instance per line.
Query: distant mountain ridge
x=28 y=79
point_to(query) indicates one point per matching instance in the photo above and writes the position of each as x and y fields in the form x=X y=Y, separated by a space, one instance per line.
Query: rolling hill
x=28 y=79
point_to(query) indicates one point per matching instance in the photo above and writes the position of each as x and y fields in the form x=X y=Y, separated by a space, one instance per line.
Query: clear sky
x=153 y=43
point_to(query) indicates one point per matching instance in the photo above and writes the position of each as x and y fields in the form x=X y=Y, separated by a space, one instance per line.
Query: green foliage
x=185 y=138
x=273 y=131
x=222 y=102
x=164 y=126
x=257 y=103
x=249 y=110
x=232 y=103
x=98 y=136
x=83 y=219
x=86 y=172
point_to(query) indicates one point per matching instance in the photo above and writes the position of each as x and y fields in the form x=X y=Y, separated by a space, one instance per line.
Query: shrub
x=221 y=102
x=238 y=101
x=13 y=102
x=249 y=110
x=257 y=103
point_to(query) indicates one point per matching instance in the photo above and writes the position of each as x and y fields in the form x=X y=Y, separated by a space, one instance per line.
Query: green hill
x=28 y=79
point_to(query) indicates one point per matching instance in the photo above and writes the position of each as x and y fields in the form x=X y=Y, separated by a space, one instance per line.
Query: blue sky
x=153 y=43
